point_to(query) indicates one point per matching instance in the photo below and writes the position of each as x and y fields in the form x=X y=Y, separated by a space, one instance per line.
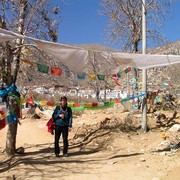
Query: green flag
x=43 y=68
x=101 y=77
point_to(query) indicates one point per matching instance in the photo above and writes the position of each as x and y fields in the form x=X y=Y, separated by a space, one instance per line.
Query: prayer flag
x=118 y=75
x=101 y=77
x=24 y=61
x=81 y=76
x=12 y=118
x=43 y=68
x=122 y=73
x=136 y=70
x=126 y=71
x=92 y=76
x=116 y=81
x=50 y=103
x=2 y=123
x=5 y=91
x=56 y=71
x=2 y=119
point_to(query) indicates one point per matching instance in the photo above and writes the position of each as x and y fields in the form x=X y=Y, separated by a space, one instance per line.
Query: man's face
x=63 y=102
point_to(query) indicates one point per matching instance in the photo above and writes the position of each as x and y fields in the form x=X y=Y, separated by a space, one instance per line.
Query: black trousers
x=58 y=131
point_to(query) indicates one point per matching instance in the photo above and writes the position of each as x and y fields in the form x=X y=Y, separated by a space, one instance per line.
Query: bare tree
x=125 y=21
x=36 y=18
x=100 y=68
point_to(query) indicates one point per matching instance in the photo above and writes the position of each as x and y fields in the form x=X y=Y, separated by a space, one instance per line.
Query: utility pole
x=105 y=90
x=128 y=87
x=144 y=71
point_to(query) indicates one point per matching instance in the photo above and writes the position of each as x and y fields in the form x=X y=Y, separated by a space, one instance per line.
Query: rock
x=163 y=146
x=175 y=146
x=163 y=153
x=165 y=143
x=175 y=128
x=111 y=162
x=142 y=150
x=142 y=159
x=110 y=148
x=20 y=150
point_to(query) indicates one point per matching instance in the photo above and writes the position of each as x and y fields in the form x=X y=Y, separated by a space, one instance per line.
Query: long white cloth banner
x=145 y=61
x=76 y=58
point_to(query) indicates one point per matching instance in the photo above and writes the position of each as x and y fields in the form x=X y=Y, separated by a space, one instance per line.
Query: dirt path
x=125 y=156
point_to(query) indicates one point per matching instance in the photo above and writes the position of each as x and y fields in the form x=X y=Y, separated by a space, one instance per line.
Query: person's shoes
x=65 y=155
x=57 y=155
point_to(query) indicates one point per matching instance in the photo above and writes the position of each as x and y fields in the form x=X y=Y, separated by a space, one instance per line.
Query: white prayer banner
x=145 y=61
x=76 y=58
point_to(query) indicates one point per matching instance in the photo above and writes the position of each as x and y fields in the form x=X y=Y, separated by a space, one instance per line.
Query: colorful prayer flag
x=101 y=77
x=116 y=81
x=92 y=76
x=118 y=75
x=43 y=68
x=126 y=71
x=81 y=76
x=56 y=71
x=5 y=91
x=12 y=118
x=2 y=119
x=24 y=61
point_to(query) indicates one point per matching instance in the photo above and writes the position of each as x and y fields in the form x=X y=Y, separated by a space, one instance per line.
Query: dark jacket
x=67 y=121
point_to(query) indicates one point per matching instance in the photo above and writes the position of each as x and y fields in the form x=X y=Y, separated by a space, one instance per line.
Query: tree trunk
x=11 y=139
x=12 y=128
x=135 y=44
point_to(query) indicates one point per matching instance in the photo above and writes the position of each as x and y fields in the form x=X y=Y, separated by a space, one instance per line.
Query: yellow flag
x=28 y=62
x=26 y=51
x=91 y=76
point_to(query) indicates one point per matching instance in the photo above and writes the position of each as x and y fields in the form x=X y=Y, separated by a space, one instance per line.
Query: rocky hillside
x=171 y=73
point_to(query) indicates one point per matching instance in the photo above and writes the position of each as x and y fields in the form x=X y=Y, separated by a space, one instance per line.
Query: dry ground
x=103 y=145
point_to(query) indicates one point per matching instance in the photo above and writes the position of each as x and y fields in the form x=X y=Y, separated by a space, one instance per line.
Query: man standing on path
x=62 y=117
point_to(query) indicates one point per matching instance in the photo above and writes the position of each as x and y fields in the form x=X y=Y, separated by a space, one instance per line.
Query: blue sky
x=81 y=23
